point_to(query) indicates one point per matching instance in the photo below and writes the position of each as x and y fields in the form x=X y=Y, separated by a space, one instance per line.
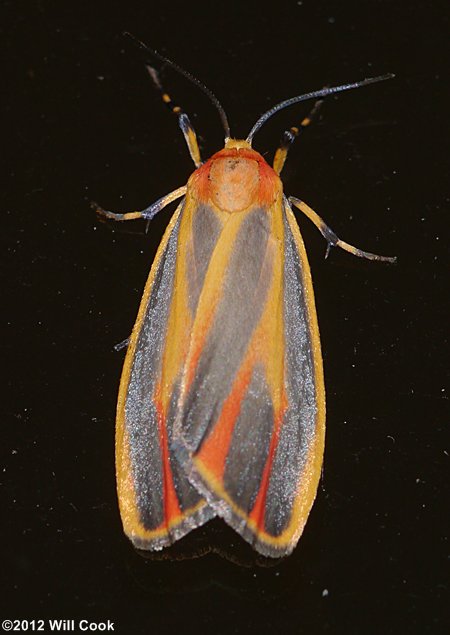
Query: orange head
x=236 y=178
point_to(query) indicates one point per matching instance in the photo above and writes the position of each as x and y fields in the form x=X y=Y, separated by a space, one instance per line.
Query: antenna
x=191 y=78
x=317 y=93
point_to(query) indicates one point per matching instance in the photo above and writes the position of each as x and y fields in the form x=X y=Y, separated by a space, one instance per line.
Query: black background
x=83 y=122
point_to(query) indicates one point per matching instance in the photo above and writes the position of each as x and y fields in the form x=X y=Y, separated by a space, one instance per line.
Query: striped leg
x=148 y=213
x=183 y=120
x=291 y=135
x=330 y=236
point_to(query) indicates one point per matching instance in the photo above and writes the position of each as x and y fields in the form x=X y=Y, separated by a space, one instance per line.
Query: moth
x=221 y=408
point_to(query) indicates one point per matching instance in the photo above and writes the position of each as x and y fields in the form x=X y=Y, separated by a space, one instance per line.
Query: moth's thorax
x=235 y=179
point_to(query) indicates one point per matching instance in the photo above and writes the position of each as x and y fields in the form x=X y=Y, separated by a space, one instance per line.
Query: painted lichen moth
x=221 y=408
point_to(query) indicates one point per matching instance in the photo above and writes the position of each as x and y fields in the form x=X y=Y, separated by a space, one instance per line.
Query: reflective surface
x=83 y=122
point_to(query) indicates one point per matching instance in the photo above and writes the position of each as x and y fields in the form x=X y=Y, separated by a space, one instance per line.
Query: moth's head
x=236 y=178
x=239 y=144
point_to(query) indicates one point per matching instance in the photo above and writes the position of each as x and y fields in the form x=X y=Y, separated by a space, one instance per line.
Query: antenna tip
x=382 y=78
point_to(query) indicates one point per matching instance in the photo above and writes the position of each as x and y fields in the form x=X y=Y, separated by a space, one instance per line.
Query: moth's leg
x=183 y=120
x=330 y=236
x=148 y=213
x=291 y=135
x=123 y=344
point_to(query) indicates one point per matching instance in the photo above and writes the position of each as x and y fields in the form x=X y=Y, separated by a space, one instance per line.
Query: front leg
x=148 y=213
x=330 y=236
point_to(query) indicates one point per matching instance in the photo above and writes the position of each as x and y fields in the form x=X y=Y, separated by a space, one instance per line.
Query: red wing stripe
x=213 y=452
x=258 y=512
x=171 y=506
